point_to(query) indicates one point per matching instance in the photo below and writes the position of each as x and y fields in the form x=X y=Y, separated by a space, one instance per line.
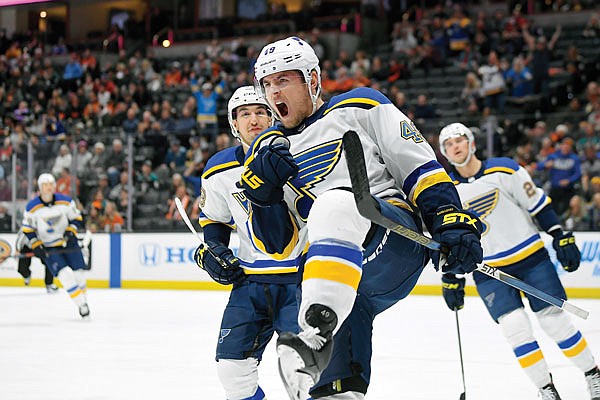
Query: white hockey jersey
x=505 y=198
x=221 y=201
x=47 y=222
x=399 y=161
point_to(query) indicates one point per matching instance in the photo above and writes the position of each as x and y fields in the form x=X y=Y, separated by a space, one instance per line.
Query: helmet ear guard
x=456 y=130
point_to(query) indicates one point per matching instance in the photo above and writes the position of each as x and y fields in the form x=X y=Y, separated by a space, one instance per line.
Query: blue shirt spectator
x=520 y=79
x=73 y=70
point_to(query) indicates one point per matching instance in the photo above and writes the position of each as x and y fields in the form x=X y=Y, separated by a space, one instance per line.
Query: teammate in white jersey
x=302 y=205
x=263 y=298
x=50 y=222
x=507 y=201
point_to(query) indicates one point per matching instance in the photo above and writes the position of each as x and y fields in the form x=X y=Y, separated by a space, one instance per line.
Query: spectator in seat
x=576 y=217
x=176 y=156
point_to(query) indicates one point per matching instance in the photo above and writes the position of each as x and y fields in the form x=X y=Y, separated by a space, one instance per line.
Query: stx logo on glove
x=454 y=217
x=566 y=241
x=251 y=179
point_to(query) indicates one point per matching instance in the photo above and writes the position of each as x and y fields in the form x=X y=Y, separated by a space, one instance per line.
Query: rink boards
x=165 y=261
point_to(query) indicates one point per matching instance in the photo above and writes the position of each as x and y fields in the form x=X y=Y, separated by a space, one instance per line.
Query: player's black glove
x=71 y=239
x=458 y=231
x=227 y=274
x=567 y=252
x=453 y=289
x=265 y=176
x=40 y=252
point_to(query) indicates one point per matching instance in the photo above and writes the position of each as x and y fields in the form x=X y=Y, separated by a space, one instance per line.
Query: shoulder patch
x=364 y=98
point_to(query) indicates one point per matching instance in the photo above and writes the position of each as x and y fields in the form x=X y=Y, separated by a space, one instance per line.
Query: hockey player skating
x=302 y=206
x=24 y=264
x=503 y=195
x=263 y=298
x=50 y=222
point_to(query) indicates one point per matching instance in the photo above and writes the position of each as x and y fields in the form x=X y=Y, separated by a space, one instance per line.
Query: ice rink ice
x=155 y=344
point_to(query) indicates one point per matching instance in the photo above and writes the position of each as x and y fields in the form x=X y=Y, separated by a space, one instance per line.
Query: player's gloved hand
x=40 y=252
x=453 y=289
x=567 y=252
x=458 y=231
x=265 y=176
x=71 y=238
x=226 y=274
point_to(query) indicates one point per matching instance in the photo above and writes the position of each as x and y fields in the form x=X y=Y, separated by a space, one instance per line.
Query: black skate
x=52 y=288
x=593 y=380
x=84 y=311
x=548 y=392
x=304 y=356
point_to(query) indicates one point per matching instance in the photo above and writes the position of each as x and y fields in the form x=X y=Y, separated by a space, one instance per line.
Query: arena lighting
x=166 y=43
x=43 y=14
x=21 y=2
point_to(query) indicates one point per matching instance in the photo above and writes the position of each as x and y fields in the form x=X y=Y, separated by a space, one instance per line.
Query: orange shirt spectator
x=112 y=220
x=181 y=193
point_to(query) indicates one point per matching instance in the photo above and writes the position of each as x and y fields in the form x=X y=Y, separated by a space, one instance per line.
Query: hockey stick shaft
x=367 y=208
x=188 y=222
x=460 y=352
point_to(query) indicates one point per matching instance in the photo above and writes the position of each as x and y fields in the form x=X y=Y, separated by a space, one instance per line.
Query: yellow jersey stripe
x=526 y=252
x=332 y=271
x=219 y=167
x=531 y=359
x=358 y=100
x=429 y=181
x=286 y=251
x=499 y=169
x=34 y=209
x=258 y=142
x=260 y=271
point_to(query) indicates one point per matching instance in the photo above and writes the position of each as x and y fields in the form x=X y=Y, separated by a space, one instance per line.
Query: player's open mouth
x=282 y=109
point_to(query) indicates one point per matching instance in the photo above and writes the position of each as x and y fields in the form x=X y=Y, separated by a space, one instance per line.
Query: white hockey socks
x=81 y=281
x=517 y=330
x=240 y=379
x=559 y=327
x=69 y=282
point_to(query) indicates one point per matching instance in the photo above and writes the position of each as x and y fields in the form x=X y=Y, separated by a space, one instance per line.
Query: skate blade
x=296 y=383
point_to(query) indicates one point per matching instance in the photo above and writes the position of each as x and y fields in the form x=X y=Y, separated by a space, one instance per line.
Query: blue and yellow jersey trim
x=220 y=162
x=203 y=220
x=265 y=267
x=502 y=165
x=543 y=202
x=259 y=140
x=515 y=254
x=287 y=251
x=424 y=177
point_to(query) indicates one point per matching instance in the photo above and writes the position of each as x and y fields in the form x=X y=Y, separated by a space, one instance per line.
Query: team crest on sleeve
x=483 y=205
x=314 y=165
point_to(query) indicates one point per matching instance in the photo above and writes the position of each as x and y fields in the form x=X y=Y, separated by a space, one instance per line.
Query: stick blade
x=573 y=309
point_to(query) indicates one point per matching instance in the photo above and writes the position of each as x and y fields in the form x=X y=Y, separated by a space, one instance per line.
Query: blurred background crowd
x=125 y=134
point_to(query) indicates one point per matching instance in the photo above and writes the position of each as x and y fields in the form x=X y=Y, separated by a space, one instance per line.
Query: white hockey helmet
x=455 y=130
x=291 y=54
x=244 y=95
x=45 y=178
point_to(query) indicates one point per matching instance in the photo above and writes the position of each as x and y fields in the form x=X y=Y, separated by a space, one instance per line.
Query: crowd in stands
x=79 y=118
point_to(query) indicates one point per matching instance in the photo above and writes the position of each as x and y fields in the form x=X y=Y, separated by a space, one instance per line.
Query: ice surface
x=150 y=344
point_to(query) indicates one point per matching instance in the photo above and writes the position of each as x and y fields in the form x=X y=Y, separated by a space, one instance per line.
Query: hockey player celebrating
x=302 y=206
x=263 y=298
x=503 y=195
x=50 y=222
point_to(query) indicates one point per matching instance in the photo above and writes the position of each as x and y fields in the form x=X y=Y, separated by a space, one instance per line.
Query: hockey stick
x=462 y=367
x=87 y=238
x=187 y=221
x=367 y=207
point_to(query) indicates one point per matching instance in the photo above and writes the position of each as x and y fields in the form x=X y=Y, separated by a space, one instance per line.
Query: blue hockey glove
x=453 y=289
x=266 y=175
x=227 y=274
x=567 y=252
x=71 y=239
x=40 y=252
x=458 y=231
